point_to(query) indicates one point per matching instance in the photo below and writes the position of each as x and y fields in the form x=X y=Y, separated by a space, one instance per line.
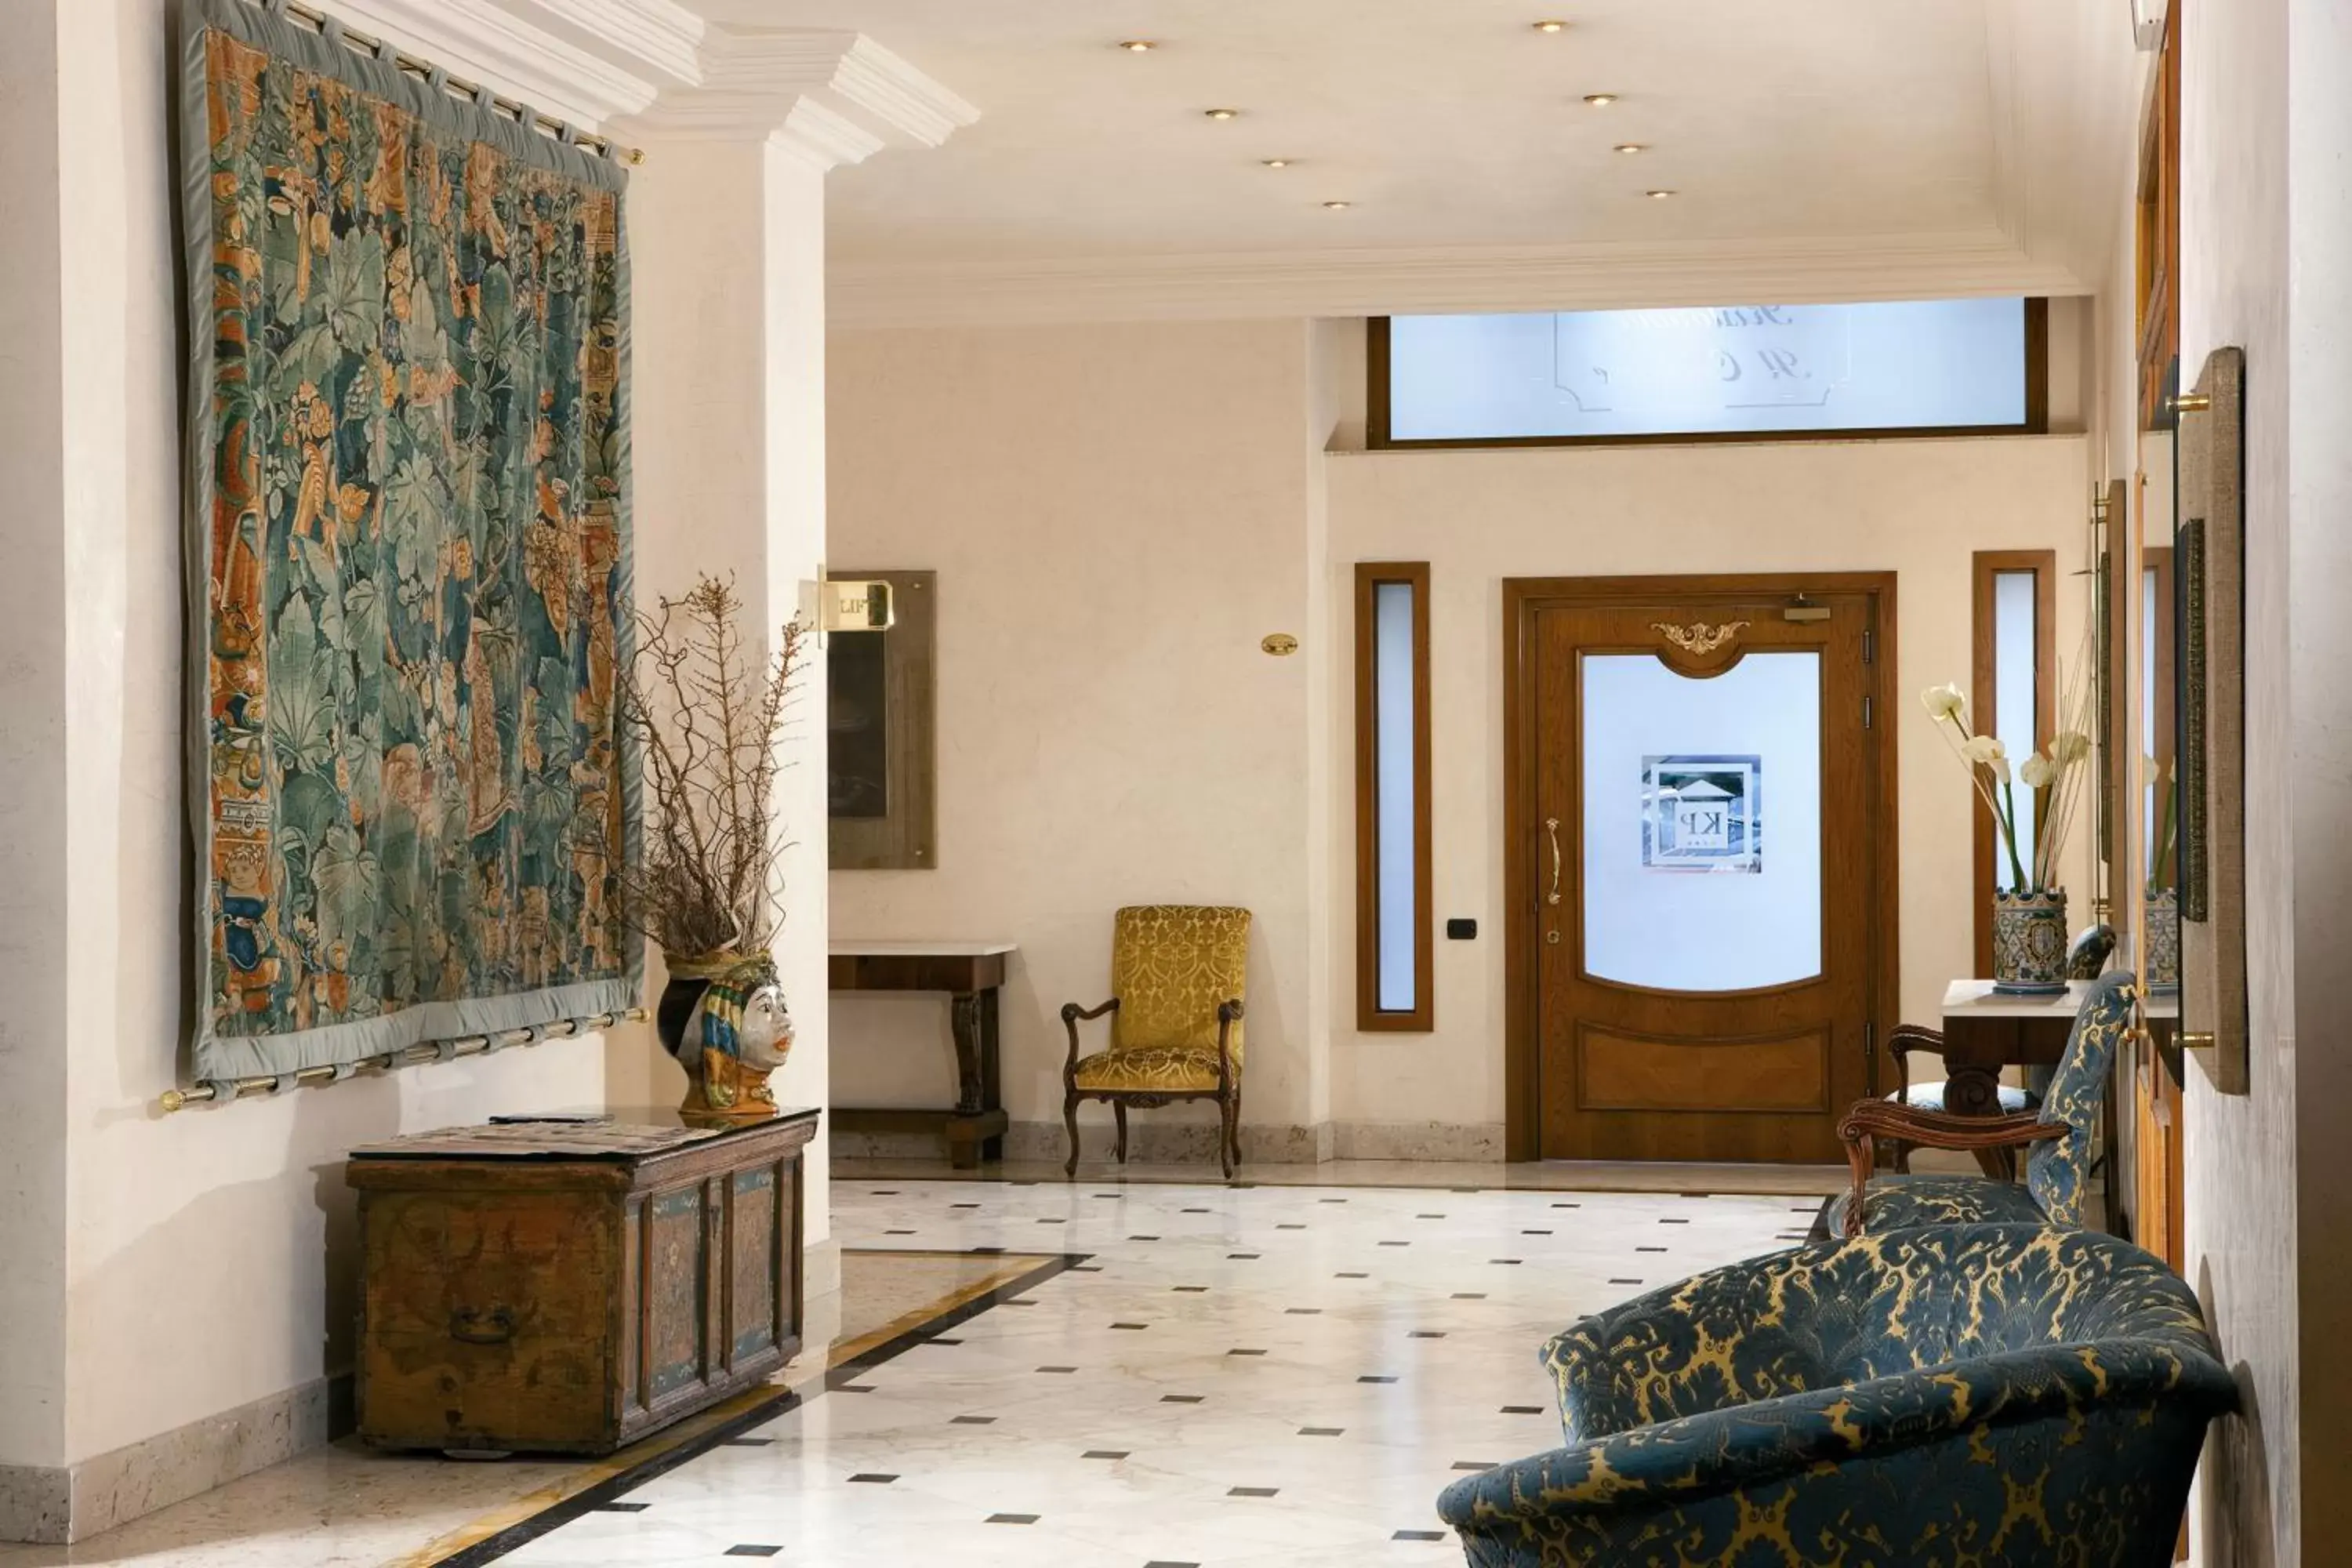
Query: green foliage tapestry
x=408 y=557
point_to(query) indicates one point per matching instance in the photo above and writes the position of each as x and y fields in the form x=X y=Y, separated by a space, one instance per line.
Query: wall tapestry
x=408 y=557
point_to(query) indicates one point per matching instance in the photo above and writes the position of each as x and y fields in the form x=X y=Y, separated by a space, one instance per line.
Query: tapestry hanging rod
x=410 y=1056
x=521 y=113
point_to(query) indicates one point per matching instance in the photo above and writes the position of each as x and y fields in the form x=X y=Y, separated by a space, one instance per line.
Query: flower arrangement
x=2054 y=778
x=706 y=887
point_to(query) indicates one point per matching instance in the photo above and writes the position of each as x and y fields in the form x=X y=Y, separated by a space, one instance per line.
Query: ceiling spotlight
x=1339 y=206
x=1600 y=99
x=1138 y=46
x=1275 y=163
x=1220 y=113
x=1633 y=147
x=1551 y=27
x=1657 y=196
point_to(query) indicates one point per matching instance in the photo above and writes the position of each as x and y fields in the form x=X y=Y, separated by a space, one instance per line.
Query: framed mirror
x=881 y=721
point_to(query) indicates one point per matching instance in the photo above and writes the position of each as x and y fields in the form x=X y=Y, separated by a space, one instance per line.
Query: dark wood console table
x=1985 y=1031
x=971 y=973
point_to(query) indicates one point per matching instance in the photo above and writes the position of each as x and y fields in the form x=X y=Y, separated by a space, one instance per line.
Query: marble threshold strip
x=221 y=1091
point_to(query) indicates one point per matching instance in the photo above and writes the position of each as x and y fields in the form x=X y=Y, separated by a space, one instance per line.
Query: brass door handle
x=1551 y=826
x=2198 y=1042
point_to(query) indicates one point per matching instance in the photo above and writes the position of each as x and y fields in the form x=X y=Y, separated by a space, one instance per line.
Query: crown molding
x=487 y=41
x=664 y=39
x=835 y=97
x=1411 y=280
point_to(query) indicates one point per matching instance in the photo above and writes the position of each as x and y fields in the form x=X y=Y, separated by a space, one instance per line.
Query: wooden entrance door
x=1702 y=838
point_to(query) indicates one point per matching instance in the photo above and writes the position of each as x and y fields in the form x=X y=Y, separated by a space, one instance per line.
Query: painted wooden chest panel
x=567 y=1286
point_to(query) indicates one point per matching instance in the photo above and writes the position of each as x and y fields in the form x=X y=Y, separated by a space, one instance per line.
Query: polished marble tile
x=1237 y=1377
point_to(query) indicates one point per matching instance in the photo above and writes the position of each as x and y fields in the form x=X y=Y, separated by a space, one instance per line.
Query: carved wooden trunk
x=569 y=1288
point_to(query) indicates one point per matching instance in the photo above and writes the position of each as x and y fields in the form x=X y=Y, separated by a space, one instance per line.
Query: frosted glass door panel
x=1702 y=832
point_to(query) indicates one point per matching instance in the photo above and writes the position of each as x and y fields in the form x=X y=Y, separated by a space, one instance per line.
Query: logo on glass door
x=1703 y=814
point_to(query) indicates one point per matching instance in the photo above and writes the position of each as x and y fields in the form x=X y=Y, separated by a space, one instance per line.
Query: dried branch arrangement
x=711 y=719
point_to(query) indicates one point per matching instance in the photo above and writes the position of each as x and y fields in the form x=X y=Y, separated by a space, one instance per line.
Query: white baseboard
x=56 y=1505
x=1165 y=1142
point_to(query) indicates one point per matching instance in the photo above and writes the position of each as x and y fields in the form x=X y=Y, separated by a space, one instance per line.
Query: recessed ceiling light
x=1657 y=196
x=1138 y=46
x=1551 y=27
x=1600 y=99
x=1632 y=146
x=1339 y=206
x=1275 y=163
x=1220 y=113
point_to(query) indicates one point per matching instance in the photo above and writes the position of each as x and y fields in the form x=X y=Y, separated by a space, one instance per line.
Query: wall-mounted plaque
x=881 y=712
x=2209 y=572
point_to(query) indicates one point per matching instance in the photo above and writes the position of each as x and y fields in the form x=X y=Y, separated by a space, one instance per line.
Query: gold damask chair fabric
x=1178 y=976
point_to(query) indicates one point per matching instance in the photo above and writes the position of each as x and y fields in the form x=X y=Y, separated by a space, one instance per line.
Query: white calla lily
x=1945 y=701
x=2037 y=772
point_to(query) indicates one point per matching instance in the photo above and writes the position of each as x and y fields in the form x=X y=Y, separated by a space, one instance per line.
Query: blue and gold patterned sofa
x=1960 y=1396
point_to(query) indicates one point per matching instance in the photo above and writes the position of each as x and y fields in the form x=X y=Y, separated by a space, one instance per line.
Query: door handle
x=1552 y=827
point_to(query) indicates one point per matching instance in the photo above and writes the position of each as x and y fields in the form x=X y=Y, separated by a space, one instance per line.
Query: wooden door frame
x=1523 y=599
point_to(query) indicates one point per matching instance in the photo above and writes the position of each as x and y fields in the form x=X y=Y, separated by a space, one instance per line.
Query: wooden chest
x=569 y=1288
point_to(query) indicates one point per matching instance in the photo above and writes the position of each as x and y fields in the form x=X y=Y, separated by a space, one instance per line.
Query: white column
x=727 y=236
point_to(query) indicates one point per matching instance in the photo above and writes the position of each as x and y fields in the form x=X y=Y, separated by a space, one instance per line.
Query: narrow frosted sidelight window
x=2012 y=697
x=1392 y=946
x=1393 y=676
x=2017 y=702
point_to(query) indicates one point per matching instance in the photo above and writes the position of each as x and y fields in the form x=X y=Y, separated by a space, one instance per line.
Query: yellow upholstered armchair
x=1177 y=977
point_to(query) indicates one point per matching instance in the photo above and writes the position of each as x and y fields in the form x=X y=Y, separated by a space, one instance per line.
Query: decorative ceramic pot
x=2163 y=941
x=722 y=1017
x=2029 y=942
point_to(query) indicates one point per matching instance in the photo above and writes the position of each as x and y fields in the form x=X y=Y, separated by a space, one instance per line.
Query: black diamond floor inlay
x=873 y=1479
x=1320 y=1431
x=1349 y=1274
x=1523 y=1410
x=1473 y=1464
x=1181 y=1398
x=1252 y=1491
x=1368 y=1377
x=1418 y=1535
x=1058 y=1369
x=749 y=1550
x=1130 y=1325
x=973 y=1421
x=1012 y=1519
x=1104 y=1454
x=1469 y=1295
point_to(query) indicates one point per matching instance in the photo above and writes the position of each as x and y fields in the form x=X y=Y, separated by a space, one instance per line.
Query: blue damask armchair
x=2063 y=1135
x=1960 y=1396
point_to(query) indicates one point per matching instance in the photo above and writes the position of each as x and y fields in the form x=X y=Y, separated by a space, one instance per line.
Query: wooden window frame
x=1984 y=715
x=1371 y=1016
x=1378 y=427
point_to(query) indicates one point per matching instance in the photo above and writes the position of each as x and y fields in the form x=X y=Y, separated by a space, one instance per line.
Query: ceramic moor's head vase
x=723 y=1018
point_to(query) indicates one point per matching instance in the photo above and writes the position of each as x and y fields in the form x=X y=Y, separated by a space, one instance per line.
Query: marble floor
x=1127 y=1374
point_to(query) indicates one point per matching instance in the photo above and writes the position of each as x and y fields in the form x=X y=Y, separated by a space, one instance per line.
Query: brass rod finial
x=2190 y=402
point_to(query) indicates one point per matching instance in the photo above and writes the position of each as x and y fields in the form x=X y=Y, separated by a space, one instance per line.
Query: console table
x=969 y=974
x=1985 y=1031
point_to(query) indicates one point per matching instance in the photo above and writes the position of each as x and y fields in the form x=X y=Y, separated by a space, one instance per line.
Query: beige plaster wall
x=1918 y=508
x=1119 y=513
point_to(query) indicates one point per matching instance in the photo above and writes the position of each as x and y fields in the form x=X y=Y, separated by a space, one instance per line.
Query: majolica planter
x=2163 y=941
x=2029 y=942
x=722 y=1016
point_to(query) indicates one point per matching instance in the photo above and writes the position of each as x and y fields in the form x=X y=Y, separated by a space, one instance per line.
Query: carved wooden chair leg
x=1230 y=1139
x=1119 y=1114
x=1070 y=1121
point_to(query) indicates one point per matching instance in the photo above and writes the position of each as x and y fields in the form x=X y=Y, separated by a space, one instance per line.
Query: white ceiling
x=1445 y=123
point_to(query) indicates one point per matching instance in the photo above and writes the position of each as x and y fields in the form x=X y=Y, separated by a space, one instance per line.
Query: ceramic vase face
x=2029 y=943
x=729 y=1030
x=2163 y=941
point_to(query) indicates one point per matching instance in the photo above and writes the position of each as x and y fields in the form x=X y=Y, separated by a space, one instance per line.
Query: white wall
x=1918 y=508
x=207 y=1258
x=1119 y=513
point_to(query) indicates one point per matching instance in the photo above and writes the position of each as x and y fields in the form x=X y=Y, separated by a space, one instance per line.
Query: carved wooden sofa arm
x=1072 y=1016
x=1871 y=1119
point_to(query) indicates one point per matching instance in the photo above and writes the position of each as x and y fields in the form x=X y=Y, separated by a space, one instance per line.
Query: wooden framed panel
x=881 y=733
x=1984 y=680
x=1382 y=691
